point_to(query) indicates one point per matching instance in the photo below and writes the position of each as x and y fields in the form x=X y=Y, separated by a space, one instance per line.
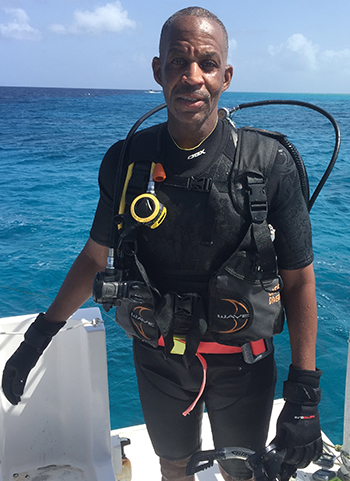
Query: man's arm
x=77 y=286
x=75 y=290
x=298 y=426
x=301 y=310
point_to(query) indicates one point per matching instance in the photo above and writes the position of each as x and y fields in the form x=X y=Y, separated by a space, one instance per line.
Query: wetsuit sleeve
x=289 y=214
x=100 y=230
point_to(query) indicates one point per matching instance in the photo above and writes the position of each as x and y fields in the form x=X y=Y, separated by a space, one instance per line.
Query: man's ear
x=157 y=70
x=228 y=77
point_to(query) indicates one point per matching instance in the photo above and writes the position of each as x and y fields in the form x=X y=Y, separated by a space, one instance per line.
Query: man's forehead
x=189 y=27
x=205 y=51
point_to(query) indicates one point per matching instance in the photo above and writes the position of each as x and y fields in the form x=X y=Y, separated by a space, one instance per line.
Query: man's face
x=193 y=73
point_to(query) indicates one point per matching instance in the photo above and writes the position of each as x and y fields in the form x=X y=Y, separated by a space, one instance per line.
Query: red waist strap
x=257 y=347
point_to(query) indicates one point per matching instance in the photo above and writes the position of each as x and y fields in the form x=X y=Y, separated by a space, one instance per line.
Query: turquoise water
x=51 y=144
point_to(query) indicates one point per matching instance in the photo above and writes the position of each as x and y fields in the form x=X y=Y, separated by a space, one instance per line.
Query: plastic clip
x=257 y=199
x=248 y=355
x=201 y=184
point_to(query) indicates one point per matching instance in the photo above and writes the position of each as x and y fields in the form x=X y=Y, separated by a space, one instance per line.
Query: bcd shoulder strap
x=255 y=155
x=144 y=151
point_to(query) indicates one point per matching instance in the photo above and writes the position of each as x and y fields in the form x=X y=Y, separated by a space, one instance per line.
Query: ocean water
x=51 y=144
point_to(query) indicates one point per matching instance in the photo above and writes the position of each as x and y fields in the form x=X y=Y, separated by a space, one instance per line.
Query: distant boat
x=151 y=91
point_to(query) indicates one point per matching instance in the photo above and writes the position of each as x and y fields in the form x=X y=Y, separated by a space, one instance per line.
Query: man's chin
x=191 y=116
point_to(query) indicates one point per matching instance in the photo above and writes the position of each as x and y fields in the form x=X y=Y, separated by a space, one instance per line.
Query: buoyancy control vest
x=244 y=302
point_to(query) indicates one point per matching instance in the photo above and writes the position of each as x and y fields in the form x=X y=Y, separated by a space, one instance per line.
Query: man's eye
x=207 y=64
x=177 y=61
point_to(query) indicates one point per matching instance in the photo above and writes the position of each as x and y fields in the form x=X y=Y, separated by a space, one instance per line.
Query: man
x=182 y=254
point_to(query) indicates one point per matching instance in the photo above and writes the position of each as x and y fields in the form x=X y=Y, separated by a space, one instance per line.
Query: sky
x=298 y=46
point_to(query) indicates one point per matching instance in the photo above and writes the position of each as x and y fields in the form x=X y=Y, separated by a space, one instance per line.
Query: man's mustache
x=191 y=91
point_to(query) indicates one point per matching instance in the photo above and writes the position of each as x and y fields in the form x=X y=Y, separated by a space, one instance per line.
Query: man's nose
x=193 y=74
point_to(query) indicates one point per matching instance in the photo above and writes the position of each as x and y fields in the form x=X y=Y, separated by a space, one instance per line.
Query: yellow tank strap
x=126 y=183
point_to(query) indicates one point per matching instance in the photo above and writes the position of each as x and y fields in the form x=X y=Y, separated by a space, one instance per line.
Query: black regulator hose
x=312 y=107
x=304 y=180
x=228 y=112
x=114 y=268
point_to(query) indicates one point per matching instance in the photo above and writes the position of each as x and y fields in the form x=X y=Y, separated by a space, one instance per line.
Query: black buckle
x=201 y=184
x=251 y=358
x=257 y=200
x=184 y=303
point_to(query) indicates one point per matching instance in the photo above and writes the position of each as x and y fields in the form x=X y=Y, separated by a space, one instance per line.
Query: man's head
x=192 y=69
x=195 y=12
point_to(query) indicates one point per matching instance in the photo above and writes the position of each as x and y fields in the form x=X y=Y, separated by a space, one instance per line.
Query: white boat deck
x=145 y=465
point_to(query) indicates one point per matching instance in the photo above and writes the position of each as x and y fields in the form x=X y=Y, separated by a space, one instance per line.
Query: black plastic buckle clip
x=251 y=358
x=257 y=199
x=184 y=303
x=201 y=184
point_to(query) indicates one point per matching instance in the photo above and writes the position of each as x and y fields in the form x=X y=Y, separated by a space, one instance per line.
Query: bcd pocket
x=135 y=314
x=243 y=308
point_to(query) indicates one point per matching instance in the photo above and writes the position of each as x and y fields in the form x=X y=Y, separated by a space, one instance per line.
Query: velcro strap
x=36 y=339
x=41 y=331
x=301 y=393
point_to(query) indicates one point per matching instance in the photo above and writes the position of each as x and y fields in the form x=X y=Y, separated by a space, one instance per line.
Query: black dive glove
x=18 y=367
x=298 y=425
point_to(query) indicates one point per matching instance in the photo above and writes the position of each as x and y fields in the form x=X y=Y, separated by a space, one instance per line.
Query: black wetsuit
x=238 y=396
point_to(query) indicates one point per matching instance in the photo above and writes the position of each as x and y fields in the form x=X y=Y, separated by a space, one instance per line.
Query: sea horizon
x=159 y=90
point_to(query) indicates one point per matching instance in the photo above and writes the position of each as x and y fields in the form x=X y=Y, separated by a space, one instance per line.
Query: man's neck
x=188 y=136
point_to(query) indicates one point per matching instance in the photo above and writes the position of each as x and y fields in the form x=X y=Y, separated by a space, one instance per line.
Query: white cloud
x=19 y=28
x=232 y=46
x=337 y=61
x=297 y=53
x=341 y=55
x=57 y=28
x=108 y=18
x=299 y=60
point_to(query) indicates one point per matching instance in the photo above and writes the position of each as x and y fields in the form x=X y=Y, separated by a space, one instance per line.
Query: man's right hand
x=17 y=370
x=18 y=367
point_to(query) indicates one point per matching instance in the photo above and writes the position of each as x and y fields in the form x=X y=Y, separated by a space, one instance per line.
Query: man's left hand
x=298 y=426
